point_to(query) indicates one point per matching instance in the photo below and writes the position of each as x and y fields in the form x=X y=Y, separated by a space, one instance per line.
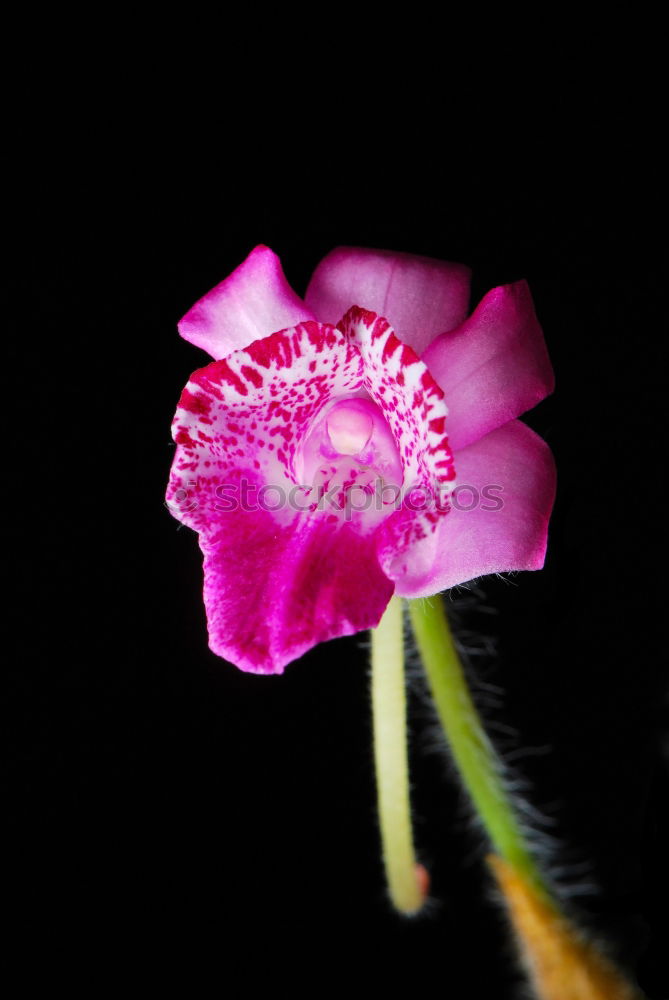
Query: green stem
x=390 y=755
x=480 y=768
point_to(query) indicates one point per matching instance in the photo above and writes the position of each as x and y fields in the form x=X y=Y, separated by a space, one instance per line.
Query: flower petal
x=420 y=297
x=289 y=574
x=253 y=302
x=415 y=410
x=277 y=581
x=271 y=593
x=494 y=366
x=243 y=418
x=477 y=542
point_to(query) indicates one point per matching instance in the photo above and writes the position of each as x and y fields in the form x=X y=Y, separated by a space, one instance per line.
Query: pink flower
x=315 y=464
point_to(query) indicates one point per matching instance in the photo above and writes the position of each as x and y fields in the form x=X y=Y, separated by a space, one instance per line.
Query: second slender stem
x=390 y=755
x=475 y=757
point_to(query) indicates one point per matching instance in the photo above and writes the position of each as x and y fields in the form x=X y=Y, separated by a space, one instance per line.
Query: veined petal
x=253 y=302
x=419 y=296
x=494 y=366
x=509 y=477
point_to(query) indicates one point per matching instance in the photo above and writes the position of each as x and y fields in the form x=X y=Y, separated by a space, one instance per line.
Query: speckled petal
x=416 y=412
x=277 y=580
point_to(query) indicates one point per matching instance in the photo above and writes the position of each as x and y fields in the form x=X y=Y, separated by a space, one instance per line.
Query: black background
x=167 y=811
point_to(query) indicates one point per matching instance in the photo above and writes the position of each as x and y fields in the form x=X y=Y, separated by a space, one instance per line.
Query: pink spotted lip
x=251 y=411
x=318 y=407
x=270 y=411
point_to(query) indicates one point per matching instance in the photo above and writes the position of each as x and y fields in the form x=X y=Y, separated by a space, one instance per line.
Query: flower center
x=349 y=426
x=349 y=441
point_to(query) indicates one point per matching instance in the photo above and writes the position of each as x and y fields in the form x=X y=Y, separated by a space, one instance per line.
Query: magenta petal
x=414 y=408
x=277 y=580
x=511 y=465
x=254 y=301
x=272 y=592
x=493 y=367
x=245 y=416
x=420 y=297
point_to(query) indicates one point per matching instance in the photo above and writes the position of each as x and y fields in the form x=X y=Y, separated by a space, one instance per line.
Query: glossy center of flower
x=349 y=426
x=349 y=444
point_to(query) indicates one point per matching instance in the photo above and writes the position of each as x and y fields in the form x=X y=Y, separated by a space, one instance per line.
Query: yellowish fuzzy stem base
x=560 y=963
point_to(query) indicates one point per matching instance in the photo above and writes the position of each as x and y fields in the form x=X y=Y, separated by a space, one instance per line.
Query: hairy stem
x=479 y=766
